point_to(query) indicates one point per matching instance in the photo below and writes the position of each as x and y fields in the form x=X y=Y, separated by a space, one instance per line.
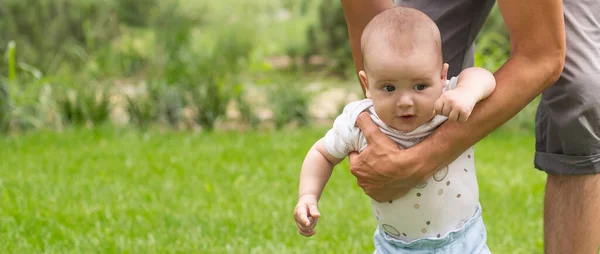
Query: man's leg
x=568 y=138
x=572 y=214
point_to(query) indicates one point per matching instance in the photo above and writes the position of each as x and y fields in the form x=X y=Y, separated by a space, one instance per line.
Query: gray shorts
x=568 y=116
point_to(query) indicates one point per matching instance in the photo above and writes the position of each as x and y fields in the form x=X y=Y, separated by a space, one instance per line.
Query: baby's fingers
x=438 y=106
x=307 y=230
x=314 y=211
x=448 y=108
x=303 y=227
x=307 y=233
x=301 y=216
x=454 y=115
x=464 y=116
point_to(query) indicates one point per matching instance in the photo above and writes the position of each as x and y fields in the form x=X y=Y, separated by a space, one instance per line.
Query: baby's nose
x=405 y=101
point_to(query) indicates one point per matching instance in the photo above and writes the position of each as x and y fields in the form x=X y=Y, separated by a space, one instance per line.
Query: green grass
x=123 y=191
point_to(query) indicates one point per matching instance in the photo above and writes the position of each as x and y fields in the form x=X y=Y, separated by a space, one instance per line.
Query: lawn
x=110 y=190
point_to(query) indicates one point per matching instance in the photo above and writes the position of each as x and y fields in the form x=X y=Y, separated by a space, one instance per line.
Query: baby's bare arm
x=479 y=81
x=316 y=170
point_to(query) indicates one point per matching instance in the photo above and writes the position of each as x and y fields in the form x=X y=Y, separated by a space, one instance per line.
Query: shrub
x=84 y=105
x=206 y=68
x=329 y=36
x=4 y=107
x=289 y=103
x=47 y=29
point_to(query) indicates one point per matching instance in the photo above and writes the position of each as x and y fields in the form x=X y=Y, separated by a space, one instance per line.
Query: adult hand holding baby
x=376 y=168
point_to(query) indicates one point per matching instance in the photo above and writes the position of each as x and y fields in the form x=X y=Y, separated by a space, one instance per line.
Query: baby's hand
x=306 y=215
x=456 y=104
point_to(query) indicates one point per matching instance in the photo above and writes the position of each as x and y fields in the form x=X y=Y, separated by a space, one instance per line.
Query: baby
x=408 y=97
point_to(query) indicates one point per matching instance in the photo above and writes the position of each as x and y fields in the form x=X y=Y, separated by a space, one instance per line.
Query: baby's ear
x=444 y=75
x=364 y=82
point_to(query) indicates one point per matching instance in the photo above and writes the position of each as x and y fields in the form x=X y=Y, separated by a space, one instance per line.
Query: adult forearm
x=518 y=82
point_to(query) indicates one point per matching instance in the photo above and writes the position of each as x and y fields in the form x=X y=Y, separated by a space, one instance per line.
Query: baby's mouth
x=406 y=118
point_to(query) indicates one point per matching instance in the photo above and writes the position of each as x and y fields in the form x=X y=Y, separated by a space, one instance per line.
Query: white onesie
x=441 y=205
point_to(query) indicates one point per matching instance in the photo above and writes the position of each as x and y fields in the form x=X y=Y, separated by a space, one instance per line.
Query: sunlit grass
x=122 y=191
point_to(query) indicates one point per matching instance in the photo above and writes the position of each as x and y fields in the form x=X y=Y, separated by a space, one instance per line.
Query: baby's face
x=404 y=88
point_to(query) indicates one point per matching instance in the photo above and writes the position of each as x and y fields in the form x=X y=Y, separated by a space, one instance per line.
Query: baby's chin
x=405 y=128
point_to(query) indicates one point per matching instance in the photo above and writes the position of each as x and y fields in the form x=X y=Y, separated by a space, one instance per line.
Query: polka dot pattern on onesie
x=421 y=186
x=439 y=176
x=390 y=230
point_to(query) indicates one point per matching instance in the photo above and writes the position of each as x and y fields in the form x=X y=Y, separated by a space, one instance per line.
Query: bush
x=56 y=34
x=84 y=105
x=329 y=36
x=289 y=103
x=142 y=107
x=46 y=29
x=4 y=108
x=185 y=68
x=206 y=68
x=20 y=102
x=493 y=45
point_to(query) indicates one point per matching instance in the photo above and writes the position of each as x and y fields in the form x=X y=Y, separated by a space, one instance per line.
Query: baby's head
x=403 y=68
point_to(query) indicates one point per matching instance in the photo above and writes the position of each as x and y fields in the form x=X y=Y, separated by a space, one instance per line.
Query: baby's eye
x=420 y=87
x=389 y=88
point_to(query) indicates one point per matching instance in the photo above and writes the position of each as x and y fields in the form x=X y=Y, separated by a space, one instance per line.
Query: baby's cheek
x=383 y=110
x=427 y=111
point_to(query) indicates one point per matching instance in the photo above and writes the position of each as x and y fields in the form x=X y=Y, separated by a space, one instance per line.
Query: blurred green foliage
x=49 y=31
x=492 y=44
x=329 y=36
x=175 y=63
